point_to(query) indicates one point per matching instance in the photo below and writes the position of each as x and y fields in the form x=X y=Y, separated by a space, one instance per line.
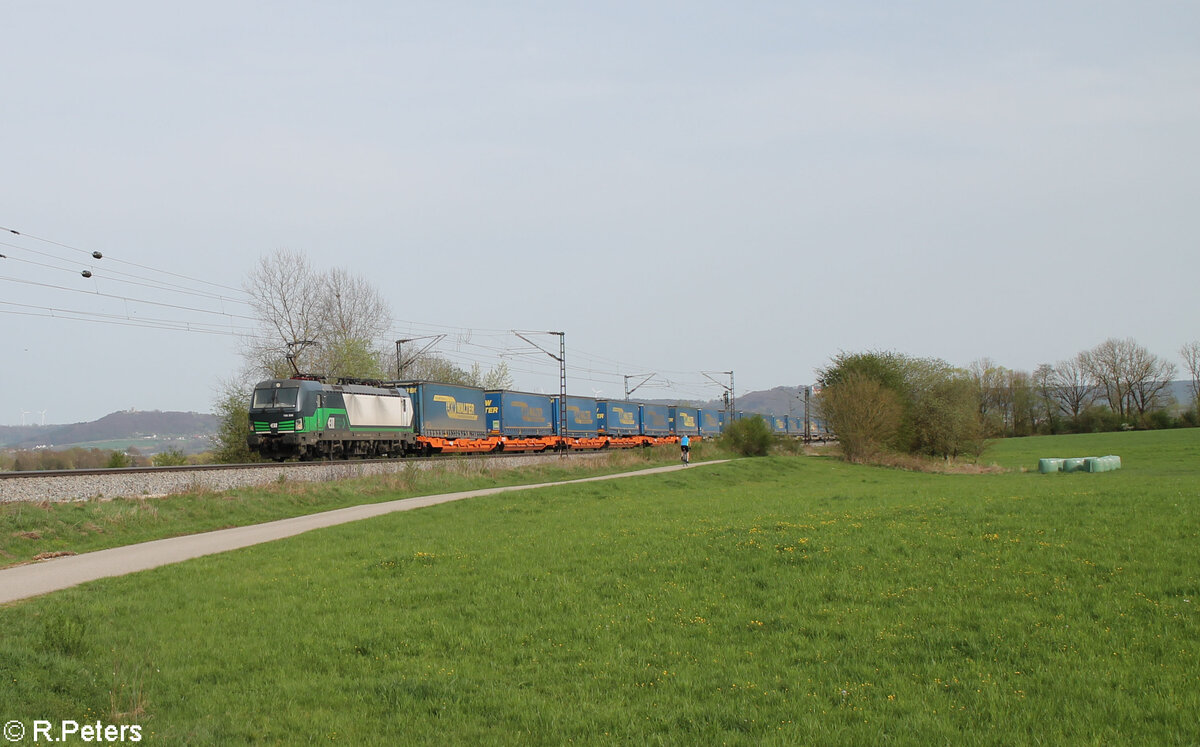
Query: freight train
x=304 y=418
x=307 y=419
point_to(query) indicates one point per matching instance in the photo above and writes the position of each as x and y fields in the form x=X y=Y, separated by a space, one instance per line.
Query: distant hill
x=151 y=432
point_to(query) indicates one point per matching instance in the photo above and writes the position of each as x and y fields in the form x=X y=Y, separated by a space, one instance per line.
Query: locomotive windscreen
x=276 y=397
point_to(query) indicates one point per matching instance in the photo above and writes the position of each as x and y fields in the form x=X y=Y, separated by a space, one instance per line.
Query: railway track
x=134 y=482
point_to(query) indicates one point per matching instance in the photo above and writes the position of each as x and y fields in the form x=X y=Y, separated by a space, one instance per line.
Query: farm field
x=781 y=600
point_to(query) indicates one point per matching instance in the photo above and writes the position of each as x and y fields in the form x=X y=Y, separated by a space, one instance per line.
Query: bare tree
x=1107 y=366
x=1149 y=381
x=331 y=323
x=1043 y=386
x=1071 y=387
x=1134 y=380
x=354 y=320
x=1191 y=361
x=285 y=295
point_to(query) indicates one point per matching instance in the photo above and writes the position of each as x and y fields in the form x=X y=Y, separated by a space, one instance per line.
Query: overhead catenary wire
x=118 y=260
x=465 y=347
x=125 y=298
x=110 y=273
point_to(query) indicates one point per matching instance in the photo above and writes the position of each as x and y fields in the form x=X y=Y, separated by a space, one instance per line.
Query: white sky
x=679 y=186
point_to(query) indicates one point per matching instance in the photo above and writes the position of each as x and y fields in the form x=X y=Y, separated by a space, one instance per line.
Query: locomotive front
x=282 y=418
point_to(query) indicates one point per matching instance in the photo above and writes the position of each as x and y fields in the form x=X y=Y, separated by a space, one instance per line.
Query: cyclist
x=684 y=448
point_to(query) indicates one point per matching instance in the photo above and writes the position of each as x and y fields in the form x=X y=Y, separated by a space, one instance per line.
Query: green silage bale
x=1046 y=466
x=1103 y=464
x=1074 y=464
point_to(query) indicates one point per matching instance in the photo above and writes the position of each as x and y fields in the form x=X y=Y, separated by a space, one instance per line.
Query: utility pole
x=807 y=428
x=433 y=340
x=562 y=377
x=728 y=397
x=645 y=379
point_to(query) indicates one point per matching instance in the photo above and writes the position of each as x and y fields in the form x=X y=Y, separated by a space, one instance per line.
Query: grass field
x=787 y=600
x=28 y=530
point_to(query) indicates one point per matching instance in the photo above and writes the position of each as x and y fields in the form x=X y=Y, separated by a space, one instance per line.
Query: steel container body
x=618 y=417
x=371 y=407
x=685 y=421
x=582 y=418
x=656 y=420
x=448 y=410
x=777 y=423
x=519 y=414
x=710 y=423
x=795 y=425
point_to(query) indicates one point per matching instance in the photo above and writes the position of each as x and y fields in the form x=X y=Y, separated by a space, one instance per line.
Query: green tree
x=498 y=377
x=946 y=417
x=436 y=368
x=933 y=408
x=169 y=458
x=354 y=358
x=232 y=409
x=748 y=436
x=865 y=414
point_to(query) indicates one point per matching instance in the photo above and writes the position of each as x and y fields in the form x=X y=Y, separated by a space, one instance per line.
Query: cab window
x=276 y=397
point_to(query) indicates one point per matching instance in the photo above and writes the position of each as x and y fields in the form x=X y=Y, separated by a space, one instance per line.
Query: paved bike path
x=45 y=576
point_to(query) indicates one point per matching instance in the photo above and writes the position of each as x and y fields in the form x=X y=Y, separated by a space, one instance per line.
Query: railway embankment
x=76 y=485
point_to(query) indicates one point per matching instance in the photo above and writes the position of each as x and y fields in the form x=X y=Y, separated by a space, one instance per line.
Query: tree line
x=886 y=401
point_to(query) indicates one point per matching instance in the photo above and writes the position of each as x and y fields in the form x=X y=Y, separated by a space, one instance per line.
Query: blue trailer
x=656 y=420
x=685 y=421
x=618 y=417
x=447 y=411
x=710 y=423
x=777 y=424
x=795 y=426
x=519 y=414
x=582 y=418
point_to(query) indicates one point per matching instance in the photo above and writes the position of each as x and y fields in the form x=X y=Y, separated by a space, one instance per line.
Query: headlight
x=299 y=425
